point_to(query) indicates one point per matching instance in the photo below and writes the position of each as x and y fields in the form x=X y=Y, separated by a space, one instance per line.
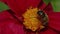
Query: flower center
x=31 y=20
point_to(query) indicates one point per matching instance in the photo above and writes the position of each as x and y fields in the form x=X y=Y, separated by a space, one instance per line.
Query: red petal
x=48 y=9
x=8 y=25
x=54 y=17
x=19 y=6
x=48 y=31
x=5 y=16
x=54 y=20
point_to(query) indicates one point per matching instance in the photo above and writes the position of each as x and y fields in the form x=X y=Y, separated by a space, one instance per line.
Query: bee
x=44 y=17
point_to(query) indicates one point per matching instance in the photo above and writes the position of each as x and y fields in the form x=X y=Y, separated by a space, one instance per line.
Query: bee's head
x=41 y=13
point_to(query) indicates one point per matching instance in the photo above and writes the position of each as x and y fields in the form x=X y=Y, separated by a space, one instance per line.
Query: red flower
x=9 y=25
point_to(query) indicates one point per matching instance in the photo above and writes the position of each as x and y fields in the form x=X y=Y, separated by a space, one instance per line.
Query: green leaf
x=47 y=1
x=56 y=5
x=3 y=7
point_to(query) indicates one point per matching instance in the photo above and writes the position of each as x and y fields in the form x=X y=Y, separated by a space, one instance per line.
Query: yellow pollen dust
x=30 y=19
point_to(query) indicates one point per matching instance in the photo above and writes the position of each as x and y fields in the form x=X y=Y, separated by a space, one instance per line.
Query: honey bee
x=44 y=17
